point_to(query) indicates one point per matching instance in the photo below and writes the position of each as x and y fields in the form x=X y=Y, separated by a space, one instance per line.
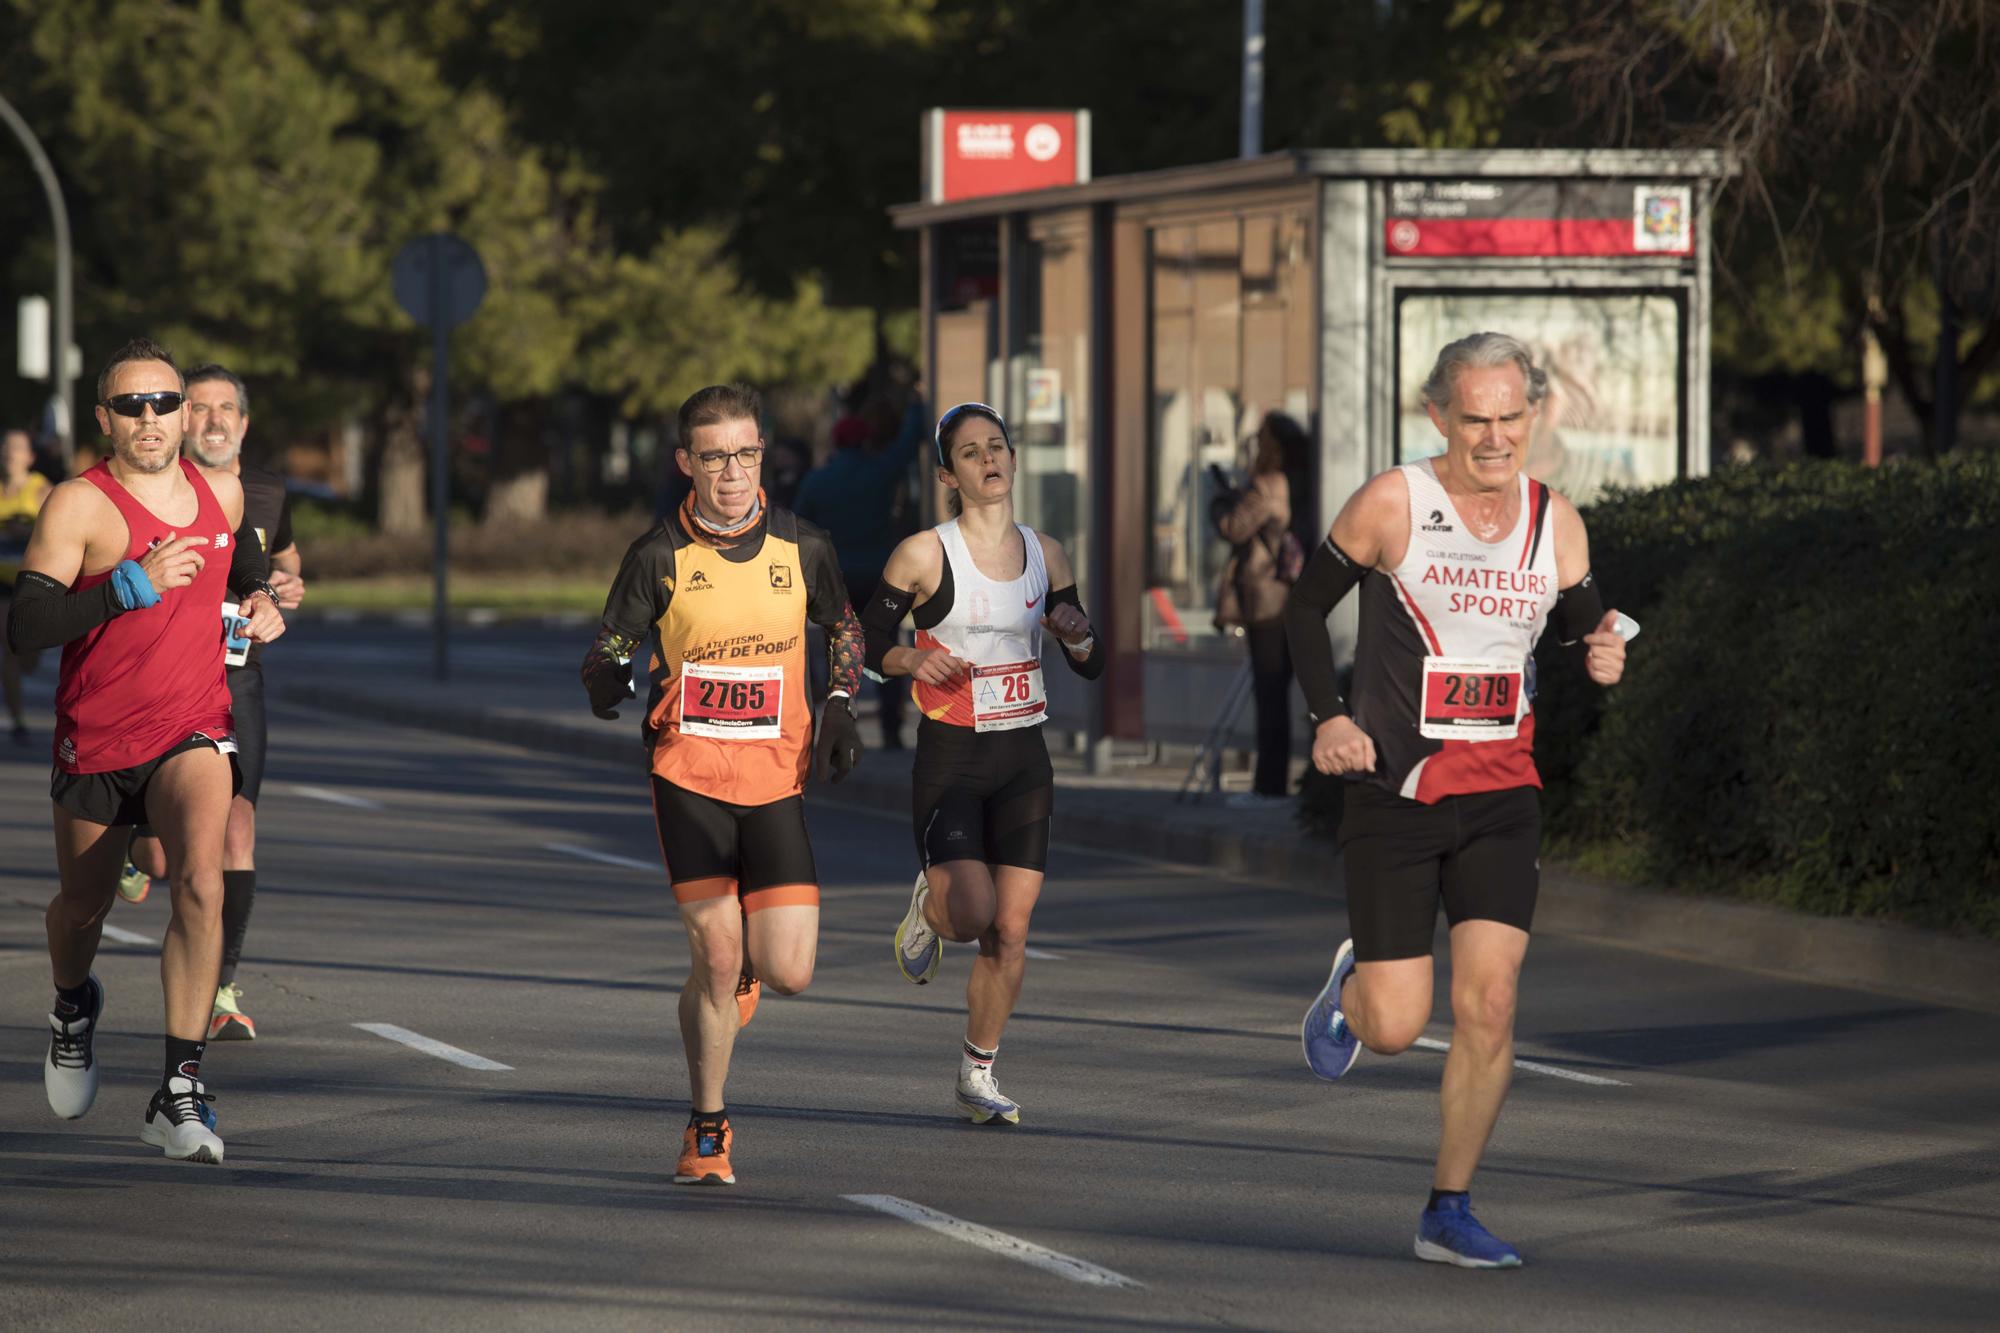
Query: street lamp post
x=61 y=379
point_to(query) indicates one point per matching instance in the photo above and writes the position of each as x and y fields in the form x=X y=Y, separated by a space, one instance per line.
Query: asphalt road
x=1757 y=1153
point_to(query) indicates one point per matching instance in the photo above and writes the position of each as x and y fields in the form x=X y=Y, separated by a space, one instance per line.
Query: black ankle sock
x=239 y=892
x=1437 y=1195
x=184 y=1058
x=74 y=1001
x=696 y=1117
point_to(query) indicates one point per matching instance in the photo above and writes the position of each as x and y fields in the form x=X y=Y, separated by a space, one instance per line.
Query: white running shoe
x=918 y=948
x=177 y=1122
x=69 y=1074
x=980 y=1099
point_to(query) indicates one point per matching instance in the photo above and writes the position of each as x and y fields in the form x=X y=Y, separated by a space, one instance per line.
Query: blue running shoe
x=1330 y=1048
x=1450 y=1234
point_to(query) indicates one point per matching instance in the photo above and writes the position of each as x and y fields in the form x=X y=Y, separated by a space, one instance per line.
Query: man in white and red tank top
x=127 y=571
x=1462 y=560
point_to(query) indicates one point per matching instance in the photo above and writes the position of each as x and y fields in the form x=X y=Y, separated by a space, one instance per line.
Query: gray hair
x=208 y=370
x=1482 y=350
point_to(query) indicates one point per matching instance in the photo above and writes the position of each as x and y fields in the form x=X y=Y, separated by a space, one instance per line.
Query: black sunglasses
x=135 y=404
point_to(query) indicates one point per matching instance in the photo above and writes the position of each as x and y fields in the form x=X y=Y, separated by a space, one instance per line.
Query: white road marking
x=1045 y=955
x=1554 y=1071
x=431 y=1046
x=607 y=858
x=997 y=1242
x=112 y=932
x=332 y=797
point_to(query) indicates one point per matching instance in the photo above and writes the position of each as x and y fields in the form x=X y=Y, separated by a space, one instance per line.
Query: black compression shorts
x=246 y=704
x=713 y=849
x=982 y=796
x=1479 y=854
x=119 y=796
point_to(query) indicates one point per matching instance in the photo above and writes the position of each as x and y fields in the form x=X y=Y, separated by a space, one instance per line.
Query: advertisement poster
x=1612 y=415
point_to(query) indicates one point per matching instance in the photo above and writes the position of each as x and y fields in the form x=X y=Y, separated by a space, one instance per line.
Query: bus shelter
x=1136 y=329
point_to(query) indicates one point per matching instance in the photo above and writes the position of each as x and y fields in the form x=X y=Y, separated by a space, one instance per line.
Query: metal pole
x=1251 y=144
x=61 y=380
x=440 y=470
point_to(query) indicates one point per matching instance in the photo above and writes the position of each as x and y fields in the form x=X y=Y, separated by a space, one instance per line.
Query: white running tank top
x=1442 y=678
x=996 y=626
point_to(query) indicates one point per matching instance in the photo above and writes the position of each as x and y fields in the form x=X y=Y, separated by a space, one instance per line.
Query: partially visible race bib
x=1008 y=695
x=731 y=703
x=1467 y=699
x=235 y=641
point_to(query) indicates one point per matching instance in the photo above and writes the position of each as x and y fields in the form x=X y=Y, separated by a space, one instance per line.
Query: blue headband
x=952 y=418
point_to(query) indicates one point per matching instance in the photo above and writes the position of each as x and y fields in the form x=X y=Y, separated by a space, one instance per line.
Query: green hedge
x=1812 y=714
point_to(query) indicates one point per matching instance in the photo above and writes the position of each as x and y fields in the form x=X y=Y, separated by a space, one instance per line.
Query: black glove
x=607 y=674
x=837 y=748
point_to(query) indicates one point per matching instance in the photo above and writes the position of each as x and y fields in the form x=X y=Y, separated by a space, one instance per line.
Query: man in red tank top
x=127 y=571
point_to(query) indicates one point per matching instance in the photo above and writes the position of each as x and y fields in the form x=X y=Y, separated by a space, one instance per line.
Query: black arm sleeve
x=638 y=598
x=880 y=620
x=1577 y=610
x=282 y=538
x=249 y=566
x=1091 y=665
x=1329 y=576
x=46 y=614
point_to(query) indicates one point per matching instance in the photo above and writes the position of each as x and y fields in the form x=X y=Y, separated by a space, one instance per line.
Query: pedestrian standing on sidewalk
x=1259 y=521
x=1461 y=561
x=22 y=493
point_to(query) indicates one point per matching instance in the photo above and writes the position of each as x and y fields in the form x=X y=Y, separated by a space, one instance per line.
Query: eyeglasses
x=135 y=404
x=747 y=459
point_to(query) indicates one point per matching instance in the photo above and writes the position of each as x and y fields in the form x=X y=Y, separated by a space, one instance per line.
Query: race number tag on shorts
x=235 y=643
x=1467 y=699
x=731 y=703
x=1008 y=695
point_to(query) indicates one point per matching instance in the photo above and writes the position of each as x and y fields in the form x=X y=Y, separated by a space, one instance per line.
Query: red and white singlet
x=146 y=680
x=995 y=626
x=1442 y=676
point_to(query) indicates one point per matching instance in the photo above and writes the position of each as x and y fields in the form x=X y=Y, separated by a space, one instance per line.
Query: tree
x=1865 y=135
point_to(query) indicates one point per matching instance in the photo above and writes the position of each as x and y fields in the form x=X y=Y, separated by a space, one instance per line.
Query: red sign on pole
x=968 y=154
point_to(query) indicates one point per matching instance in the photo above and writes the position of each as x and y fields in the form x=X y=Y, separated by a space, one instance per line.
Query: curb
x=1874 y=956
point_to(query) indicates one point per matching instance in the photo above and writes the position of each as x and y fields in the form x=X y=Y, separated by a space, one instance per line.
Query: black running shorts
x=119 y=796
x=759 y=853
x=246 y=700
x=1480 y=854
x=982 y=796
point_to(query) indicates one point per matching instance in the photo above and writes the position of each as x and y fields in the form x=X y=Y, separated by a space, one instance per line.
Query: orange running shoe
x=748 y=991
x=705 y=1155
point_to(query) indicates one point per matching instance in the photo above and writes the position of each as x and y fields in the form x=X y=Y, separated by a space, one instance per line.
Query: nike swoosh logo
x=1032 y=601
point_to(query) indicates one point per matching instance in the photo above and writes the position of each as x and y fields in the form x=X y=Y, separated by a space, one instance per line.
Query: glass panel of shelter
x=1231 y=340
x=1048 y=389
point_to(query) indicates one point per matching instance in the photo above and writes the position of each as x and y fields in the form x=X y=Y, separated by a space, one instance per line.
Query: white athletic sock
x=976 y=1060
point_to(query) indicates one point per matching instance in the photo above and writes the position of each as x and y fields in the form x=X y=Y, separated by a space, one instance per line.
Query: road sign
x=439 y=280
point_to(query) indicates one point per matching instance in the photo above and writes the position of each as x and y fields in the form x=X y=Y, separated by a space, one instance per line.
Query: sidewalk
x=1132 y=811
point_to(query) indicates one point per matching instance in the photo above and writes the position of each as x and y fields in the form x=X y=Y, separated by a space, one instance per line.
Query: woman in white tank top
x=982 y=588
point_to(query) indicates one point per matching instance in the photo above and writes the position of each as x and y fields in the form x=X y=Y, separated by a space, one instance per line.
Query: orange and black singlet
x=728 y=710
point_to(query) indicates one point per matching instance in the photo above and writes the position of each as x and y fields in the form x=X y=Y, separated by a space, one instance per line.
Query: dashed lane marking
x=1533 y=1067
x=124 y=936
x=333 y=797
x=417 y=1041
x=994 y=1242
x=625 y=862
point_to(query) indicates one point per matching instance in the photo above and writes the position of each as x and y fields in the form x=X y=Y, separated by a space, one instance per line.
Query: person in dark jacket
x=1258 y=521
x=853 y=497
